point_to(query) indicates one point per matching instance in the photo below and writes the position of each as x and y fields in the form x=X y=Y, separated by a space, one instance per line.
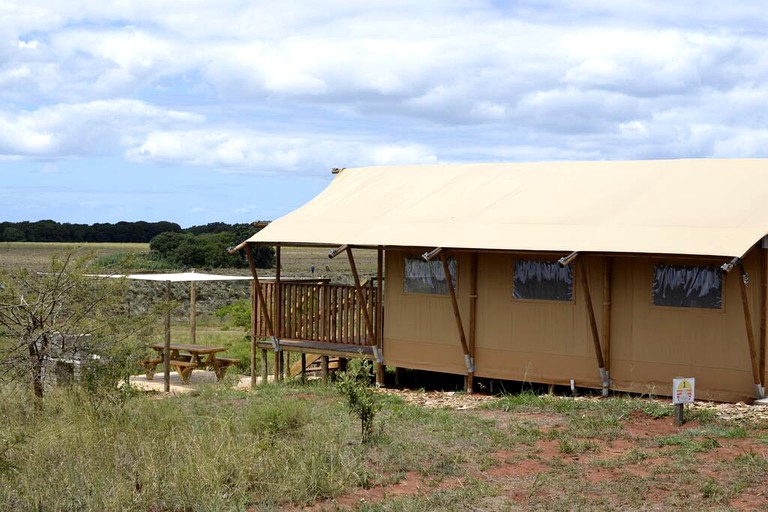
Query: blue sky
x=197 y=111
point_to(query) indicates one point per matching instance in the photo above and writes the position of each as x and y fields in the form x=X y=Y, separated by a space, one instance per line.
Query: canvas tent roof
x=690 y=206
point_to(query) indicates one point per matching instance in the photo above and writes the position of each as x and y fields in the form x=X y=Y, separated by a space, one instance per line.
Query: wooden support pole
x=264 y=309
x=763 y=311
x=607 y=285
x=253 y=334
x=379 y=365
x=303 y=367
x=472 y=316
x=457 y=315
x=264 y=366
x=582 y=271
x=167 y=340
x=286 y=362
x=324 y=368
x=679 y=418
x=750 y=334
x=361 y=298
x=278 y=307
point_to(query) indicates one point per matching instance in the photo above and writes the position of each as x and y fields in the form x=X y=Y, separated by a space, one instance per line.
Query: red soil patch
x=516 y=471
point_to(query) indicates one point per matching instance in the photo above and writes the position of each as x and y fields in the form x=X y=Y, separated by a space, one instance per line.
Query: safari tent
x=612 y=275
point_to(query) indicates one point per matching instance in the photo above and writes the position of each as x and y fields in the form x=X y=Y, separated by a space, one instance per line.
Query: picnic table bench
x=184 y=358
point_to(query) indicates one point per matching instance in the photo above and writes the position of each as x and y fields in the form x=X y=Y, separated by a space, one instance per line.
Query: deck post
x=743 y=279
x=604 y=375
x=264 y=366
x=264 y=309
x=253 y=334
x=361 y=298
x=278 y=316
x=324 y=368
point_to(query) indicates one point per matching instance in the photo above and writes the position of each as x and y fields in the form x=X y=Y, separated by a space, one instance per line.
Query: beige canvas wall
x=651 y=345
x=551 y=342
x=538 y=341
x=419 y=329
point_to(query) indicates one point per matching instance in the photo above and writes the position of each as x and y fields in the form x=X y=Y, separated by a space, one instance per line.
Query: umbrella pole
x=192 y=313
x=167 y=350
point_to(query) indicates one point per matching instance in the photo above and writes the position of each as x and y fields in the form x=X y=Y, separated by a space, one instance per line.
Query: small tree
x=355 y=385
x=64 y=314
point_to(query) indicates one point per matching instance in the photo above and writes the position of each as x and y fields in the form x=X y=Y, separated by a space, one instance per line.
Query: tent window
x=542 y=280
x=687 y=286
x=428 y=276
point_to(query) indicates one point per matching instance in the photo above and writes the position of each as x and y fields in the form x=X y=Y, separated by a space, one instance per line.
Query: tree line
x=202 y=246
x=51 y=231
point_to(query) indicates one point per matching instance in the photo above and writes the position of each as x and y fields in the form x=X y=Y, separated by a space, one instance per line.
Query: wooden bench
x=150 y=365
x=220 y=365
x=183 y=368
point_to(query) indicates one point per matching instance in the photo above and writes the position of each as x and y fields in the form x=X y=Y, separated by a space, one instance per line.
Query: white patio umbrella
x=192 y=278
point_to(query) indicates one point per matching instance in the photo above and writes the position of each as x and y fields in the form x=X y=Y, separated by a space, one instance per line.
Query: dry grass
x=293 y=447
x=36 y=256
x=296 y=261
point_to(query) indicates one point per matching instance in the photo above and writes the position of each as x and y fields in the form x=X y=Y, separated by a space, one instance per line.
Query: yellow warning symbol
x=683 y=390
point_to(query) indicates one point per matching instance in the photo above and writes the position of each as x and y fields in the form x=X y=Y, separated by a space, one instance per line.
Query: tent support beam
x=361 y=298
x=607 y=285
x=604 y=375
x=763 y=311
x=264 y=309
x=743 y=279
x=379 y=365
x=472 y=317
x=277 y=315
x=457 y=316
x=468 y=360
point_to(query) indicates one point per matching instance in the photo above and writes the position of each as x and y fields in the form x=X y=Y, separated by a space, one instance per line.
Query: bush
x=355 y=385
x=207 y=250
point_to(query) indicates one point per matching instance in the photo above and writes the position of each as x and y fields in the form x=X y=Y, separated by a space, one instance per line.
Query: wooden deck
x=318 y=317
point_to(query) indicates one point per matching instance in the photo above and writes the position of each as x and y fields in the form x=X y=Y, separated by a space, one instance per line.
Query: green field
x=296 y=261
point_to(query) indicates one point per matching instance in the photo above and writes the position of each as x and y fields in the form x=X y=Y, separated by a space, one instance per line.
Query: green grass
x=292 y=445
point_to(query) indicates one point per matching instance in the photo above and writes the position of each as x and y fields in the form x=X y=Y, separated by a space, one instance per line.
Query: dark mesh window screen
x=687 y=286
x=428 y=276
x=542 y=280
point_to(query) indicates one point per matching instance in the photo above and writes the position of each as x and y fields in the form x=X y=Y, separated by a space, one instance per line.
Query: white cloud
x=269 y=153
x=598 y=78
x=92 y=128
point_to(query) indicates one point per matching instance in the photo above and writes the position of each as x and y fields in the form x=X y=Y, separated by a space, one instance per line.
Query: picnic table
x=186 y=357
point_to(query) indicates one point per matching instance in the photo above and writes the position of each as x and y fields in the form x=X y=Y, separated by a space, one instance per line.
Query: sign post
x=682 y=393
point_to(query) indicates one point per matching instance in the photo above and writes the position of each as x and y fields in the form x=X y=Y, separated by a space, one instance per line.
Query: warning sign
x=683 y=390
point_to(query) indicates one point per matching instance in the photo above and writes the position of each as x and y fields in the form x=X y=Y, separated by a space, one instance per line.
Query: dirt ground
x=517 y=472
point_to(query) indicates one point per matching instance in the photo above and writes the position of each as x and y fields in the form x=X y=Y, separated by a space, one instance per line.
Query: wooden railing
x=318 y=311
